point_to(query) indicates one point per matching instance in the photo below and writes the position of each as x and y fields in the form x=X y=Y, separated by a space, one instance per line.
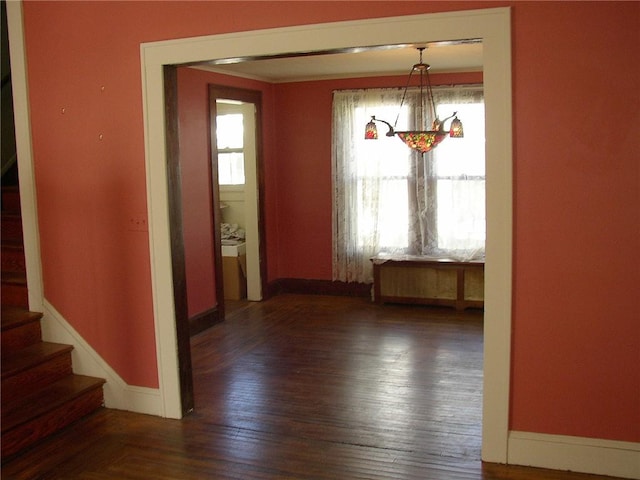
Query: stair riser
x=19 y=337
x=36 y=377
x=10 y=200
x=29 y=433
x=13 y=259
x=15 y=295
x=11 y=228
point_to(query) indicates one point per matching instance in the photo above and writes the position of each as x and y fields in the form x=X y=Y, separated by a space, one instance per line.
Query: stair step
x=15 y=278
x=20 y=328
x=12 y=256
x=38 y=415
x=11 y=227
x=14 y=289
x=34 y=367
x=11 y=199
x=28 y=357
x=15 y=317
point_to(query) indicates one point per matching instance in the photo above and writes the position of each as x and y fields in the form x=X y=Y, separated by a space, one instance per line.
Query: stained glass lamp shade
x=371 y=131
x=456 y=130
x=420 y=140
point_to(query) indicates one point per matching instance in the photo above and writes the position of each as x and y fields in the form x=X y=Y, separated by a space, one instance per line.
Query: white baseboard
x=577 y=454
x=86 y=361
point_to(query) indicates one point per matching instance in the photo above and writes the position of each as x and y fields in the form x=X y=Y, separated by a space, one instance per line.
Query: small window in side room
x=229 y=135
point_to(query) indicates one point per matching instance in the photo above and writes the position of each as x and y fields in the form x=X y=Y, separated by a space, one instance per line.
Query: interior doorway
x=250 y=105
x=493 y=27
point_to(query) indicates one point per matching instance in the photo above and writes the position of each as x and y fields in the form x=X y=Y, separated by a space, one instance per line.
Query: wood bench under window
x=428 y=281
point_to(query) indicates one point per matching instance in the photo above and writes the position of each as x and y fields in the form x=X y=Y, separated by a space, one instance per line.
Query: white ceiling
x=389 y=60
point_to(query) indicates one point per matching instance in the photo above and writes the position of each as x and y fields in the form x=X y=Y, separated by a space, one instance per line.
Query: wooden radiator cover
x=408 y=279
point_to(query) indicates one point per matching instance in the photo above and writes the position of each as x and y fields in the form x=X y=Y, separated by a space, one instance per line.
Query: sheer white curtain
x=365 y=175
x=389 y=199
x=452 y=206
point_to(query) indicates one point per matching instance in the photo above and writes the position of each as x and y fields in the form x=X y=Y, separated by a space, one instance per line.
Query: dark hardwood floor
x=305 y=387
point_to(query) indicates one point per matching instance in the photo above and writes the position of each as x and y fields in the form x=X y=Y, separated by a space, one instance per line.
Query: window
x=229 y=136
x=382 y=218
x=460 y=187
x=390 y=199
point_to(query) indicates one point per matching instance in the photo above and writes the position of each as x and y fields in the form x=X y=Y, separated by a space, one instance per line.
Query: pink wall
x=576 y=343
x=195 y=174
x=575 y=330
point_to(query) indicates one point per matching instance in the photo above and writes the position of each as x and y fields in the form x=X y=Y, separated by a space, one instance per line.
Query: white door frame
x=251 y=203
x=493 y=26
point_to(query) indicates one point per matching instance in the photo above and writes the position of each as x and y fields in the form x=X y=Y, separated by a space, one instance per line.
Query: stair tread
x=12 y=244
x=11 y=227
x=13 y=317
x=30 y=356
x=11 y=214
x=11 y=198
x=39 y=402
x=17 y=278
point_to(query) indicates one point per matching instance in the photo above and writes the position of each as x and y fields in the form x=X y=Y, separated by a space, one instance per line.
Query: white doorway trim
x=254 y=280
x=493 y=26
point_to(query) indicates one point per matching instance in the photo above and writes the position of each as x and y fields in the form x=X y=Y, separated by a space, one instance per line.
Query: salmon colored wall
x=576 y=238
x=195 y=175
x=576 y=343
x=193 y=106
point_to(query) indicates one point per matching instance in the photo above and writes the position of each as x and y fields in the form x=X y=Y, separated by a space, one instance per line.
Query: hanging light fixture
x=420 y=140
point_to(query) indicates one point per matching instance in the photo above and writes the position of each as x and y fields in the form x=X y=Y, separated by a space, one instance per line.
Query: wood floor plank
x=305 y=387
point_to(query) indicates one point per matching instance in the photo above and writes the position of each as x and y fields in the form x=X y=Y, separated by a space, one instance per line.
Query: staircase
x=40 y=393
